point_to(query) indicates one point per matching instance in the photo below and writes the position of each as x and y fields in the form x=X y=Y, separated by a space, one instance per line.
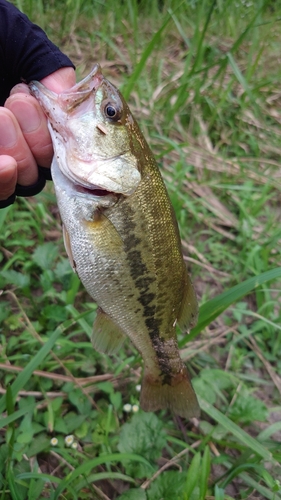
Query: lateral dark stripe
x=143 y=280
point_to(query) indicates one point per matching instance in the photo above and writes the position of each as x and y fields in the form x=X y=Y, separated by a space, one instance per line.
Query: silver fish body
x=121 y=234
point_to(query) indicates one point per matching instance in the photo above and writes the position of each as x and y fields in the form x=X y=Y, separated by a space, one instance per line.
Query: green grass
x=203 y=80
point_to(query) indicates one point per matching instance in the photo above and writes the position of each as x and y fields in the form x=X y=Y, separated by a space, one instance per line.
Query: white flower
x=135 y=408
x=74 y=445
x=54 y=441
x=138 y=387
x=127 y=408
x=69 y=439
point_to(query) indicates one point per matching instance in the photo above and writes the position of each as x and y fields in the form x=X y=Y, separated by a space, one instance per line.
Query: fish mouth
x=69 y=99
x=93 y=191
x=82 y=190
x=86 y=187
x=73 y=122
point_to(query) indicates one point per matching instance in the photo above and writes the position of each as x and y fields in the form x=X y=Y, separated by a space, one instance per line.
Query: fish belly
x=137 y=289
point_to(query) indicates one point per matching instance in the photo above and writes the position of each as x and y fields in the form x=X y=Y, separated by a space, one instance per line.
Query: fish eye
x=112 y=111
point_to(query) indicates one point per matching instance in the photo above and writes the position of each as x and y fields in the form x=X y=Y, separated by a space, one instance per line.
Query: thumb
x=60 y=80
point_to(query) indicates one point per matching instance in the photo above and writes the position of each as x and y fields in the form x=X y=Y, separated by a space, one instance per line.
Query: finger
x=8 y=176
x=33 y=124
x=20 y=88
x=60 y=80
x=12 y=143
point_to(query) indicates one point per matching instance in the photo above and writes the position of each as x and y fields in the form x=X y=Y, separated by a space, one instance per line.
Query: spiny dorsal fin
x=107 y=337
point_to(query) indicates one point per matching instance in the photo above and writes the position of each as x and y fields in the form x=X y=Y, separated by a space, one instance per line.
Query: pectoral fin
x=189 y=307
x=67 y=246
x=107 y=336
x=106 y=237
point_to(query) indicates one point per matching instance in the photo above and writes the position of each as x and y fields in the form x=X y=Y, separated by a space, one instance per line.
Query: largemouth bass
x=121 y=235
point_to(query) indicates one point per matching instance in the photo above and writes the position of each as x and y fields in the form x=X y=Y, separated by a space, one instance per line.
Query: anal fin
x=107 y=337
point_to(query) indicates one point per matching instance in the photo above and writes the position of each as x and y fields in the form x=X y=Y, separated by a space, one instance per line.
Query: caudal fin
x=179 y=397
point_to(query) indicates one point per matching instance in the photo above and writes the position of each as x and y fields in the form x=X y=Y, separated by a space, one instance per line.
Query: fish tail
x=177 y=396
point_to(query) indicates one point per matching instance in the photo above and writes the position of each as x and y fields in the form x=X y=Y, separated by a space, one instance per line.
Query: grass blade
x=247 y=440
x=14 y=416
x=205 y=472
x=3 y=214
x=145 y=55
x=193 y=474
x=264 y=492
x=99 y=476
x=37 y=475
x=239 y=75
x=87 y=466
x=25 y=375
x=214 y=307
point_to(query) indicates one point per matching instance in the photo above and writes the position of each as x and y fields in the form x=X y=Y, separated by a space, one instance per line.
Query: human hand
x=25 y=141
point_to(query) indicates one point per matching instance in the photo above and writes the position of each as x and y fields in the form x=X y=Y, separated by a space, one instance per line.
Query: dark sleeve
x=25 y=51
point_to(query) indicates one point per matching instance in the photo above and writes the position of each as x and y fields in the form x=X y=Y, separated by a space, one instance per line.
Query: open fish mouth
x=76 y=189
x=94 y=191
x=70 y=98
x=85 y=188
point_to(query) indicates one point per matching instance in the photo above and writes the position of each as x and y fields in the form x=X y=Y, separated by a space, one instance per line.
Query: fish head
x=90 y=125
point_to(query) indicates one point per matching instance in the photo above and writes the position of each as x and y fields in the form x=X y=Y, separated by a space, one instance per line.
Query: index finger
x=13 y=144
x=33 y=124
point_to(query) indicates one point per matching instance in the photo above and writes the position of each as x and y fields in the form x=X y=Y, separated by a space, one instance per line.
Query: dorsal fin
x=188 y=313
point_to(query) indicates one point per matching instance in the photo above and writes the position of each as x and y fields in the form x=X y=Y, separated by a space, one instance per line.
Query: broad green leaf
x=143 y=435
x=246 y=408
x=45 y=254
x=39 y=444
x=15 y=278
x=170 y=485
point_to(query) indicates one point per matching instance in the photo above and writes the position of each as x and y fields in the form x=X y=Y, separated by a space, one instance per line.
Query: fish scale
x=121 y=234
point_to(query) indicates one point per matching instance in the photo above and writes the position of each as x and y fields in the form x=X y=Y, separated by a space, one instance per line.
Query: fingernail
x=27 y=116
x=7 y=172
x=8 y=132
x=20 y=88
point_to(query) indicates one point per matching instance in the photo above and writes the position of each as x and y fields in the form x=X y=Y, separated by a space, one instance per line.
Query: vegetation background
x=203 y=79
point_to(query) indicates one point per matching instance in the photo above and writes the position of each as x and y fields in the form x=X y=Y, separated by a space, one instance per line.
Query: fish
x=121 y=234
